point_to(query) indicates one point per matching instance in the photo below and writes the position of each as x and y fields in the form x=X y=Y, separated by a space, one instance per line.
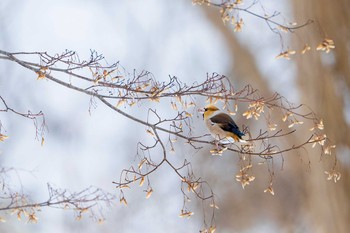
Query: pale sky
x=165 y=38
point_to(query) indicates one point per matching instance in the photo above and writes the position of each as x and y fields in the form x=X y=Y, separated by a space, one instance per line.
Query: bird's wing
x=226 y=123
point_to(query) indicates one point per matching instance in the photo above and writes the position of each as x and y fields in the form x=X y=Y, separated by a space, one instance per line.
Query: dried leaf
x=19 y=216
x=198 y=2
x=272 y=127
x=191 y=104
x=212 y=229
x=291 y=125
x=42 y=72
x=214 y=206
x=285 y=54
x=283 y=28
x=248 y=114
x=123 y=200
x=178 y=98
x=150 y=132
x=320 y=125
x=149 y=193
x=132 y=103
x=238 y=26
x=142 y=181
x=231 y=113
x=120 y=102
x=270 y=190
x=305 y=49
x=174 y=106
x=188 y=114
x=186 y=214
x=98 y=78
x=79 y=217
x=326 y=45
x=225 y=16
x=333 y=175
x=3 y=137
x=141 y=163
x=285 y=117
x=328 y=149
x=32 y=218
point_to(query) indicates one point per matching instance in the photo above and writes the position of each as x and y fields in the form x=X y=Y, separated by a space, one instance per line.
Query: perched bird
x=221 y=125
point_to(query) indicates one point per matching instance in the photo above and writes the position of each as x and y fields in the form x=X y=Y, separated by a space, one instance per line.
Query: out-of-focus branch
x=324 y=83
x=230 y=11
x=228 y=6
x=88 y=201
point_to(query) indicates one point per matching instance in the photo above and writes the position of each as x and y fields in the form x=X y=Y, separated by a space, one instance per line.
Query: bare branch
x=114 y=87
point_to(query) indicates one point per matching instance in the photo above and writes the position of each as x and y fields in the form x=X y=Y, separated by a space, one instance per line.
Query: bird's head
x=208 y=111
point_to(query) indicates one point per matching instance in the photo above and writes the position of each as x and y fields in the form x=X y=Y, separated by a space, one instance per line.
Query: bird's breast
x=215 y=130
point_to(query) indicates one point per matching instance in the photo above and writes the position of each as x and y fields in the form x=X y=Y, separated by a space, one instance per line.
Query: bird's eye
x=205 y=109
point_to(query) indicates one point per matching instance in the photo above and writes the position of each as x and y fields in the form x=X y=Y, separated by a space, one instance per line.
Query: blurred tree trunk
x=250 y=208
x=322 y=78
x=244 y=67
x=305 y=201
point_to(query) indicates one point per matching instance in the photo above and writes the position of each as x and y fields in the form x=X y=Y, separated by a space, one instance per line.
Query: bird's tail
x=238 y=137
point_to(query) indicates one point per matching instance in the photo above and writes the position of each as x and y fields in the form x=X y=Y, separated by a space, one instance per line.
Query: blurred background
x=173 y=38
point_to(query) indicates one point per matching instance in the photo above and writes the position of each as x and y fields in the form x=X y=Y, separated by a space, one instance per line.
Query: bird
x=221 y=125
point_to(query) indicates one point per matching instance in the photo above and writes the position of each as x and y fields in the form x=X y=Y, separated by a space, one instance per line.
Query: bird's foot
x=218 y=150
